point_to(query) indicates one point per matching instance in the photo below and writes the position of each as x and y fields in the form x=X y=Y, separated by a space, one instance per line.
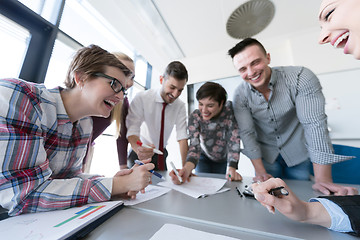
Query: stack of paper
x=198 y=186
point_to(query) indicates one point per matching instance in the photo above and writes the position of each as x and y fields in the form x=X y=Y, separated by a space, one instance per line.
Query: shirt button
x=275 y=129
x=278 y=137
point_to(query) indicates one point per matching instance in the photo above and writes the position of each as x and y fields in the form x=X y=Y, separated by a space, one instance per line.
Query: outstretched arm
x=291 y=206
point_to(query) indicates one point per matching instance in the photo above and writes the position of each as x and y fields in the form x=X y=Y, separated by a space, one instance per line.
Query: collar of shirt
x=62 y=116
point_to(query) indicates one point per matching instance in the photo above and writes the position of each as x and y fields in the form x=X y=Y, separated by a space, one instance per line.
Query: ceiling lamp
x=250 y=18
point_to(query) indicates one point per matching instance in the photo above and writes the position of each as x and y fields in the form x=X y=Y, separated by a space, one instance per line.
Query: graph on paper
x=82 y=214
x=59 y=224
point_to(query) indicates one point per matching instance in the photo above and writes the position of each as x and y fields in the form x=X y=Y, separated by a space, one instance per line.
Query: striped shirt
x=41 y=152
x=218 y=138
x=292 y=122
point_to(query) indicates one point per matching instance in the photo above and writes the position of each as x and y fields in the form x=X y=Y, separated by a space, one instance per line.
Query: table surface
x=225 y=213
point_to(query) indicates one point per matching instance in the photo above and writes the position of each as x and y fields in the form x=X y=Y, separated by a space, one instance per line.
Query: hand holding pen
x=138 y=162
x=275 y=194
x=176 y=172
x=279 y=191
x=185 y=173
x=157 y=151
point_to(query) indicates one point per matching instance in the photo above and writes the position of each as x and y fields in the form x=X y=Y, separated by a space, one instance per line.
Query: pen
x=157 y=151
x=152 y=171
x=279 y=191
x=239 y=192
x=176 y=171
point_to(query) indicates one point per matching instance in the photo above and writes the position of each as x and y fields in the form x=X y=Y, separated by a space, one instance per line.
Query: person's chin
x=103 y=114
x=170 y=100
x=207 y=117
x=356 y=54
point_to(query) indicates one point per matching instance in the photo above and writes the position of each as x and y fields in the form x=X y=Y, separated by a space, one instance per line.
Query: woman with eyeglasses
x=44 y=134
x=340 y=26
x=118 y=114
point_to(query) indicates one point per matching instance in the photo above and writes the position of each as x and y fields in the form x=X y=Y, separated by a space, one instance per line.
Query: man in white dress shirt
x=144 y=118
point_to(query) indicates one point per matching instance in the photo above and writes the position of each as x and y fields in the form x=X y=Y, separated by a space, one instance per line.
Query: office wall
x=299 y=49
x=341 y=90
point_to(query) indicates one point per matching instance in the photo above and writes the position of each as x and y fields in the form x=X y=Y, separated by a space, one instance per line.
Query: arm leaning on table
x=308 y=95
x=181 y=132
x=248 y=134
x=37 y=172
x=182 y=138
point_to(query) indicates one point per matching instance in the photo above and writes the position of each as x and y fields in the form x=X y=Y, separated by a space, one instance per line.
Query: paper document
x=198 y=186
x=59 y=224
x=176 y=232
x=151 y=191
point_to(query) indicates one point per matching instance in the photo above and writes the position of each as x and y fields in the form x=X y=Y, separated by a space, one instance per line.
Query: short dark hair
x=212 y=90
x=244 y=44
x=176 y=70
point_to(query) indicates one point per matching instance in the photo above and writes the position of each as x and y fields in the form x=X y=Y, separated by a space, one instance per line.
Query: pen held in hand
x=279 y=191
x=138 y=162
x=176 y=171
x=157 y=151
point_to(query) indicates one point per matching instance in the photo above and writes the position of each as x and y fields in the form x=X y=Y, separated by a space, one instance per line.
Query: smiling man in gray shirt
x=281 y=116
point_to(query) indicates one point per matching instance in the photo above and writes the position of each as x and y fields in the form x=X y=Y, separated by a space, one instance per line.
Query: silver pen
x=176 y=171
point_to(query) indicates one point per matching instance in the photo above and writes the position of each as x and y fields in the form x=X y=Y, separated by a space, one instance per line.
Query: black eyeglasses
x=115 y=84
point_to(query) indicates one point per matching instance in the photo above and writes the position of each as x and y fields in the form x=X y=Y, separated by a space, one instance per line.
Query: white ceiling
x=199 y=28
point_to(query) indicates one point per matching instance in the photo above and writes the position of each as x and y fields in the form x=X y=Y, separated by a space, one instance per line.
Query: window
x=59 y=63
x=141 y=71
x=14 y=42
x=47 y=9
x=94 y=28
x=40 y=49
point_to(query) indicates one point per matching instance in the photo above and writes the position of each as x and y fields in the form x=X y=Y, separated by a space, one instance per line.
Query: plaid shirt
x=41 y=152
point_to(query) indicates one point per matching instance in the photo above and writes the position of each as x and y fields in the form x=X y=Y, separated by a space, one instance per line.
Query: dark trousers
x=133 y=156
x=206 y=165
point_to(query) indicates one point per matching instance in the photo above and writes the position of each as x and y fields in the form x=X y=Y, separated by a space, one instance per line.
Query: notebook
x=72 y=223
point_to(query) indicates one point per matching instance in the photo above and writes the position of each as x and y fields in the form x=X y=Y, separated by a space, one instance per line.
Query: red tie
x=161 y=162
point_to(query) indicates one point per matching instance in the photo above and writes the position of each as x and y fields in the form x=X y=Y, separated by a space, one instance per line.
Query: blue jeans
x=206 y=165
x=280 y=169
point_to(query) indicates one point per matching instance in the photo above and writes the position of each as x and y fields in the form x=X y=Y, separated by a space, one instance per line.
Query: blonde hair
x=116 y=113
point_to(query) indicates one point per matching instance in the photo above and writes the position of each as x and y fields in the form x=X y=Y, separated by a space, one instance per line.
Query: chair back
x=347 y=171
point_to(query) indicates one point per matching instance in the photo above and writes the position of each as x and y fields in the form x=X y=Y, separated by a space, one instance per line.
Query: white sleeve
x=181 y=125
x=339 y=220
x=135 y=117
